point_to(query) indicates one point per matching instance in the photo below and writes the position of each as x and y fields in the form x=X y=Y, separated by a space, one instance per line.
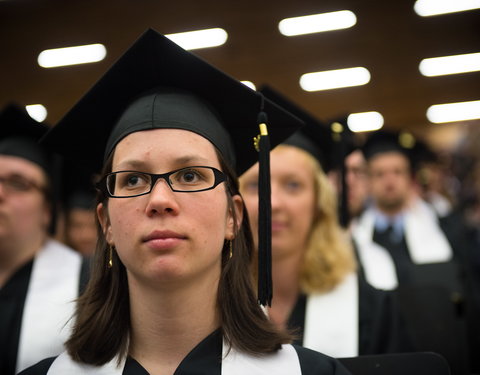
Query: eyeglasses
x=18 y=184
x=126 y=184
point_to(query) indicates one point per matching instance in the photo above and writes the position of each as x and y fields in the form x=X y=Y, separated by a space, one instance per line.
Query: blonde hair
x=329 y=256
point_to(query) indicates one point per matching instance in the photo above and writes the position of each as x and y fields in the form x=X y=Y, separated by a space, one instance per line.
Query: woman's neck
x=166 y=326
x=285 y=277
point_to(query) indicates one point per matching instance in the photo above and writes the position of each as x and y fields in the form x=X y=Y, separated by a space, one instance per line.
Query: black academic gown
x=380 y=327
x=431 y=297
x=467 y=251
x=206 y=359
x=12 y=303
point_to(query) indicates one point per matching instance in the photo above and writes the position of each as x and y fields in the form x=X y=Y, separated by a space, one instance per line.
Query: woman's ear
x=104 y=220
x=232 y=226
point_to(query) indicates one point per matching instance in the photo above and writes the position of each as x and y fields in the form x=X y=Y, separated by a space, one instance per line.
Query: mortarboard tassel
x=340 y=135
x=344 y=216
x=262 y=145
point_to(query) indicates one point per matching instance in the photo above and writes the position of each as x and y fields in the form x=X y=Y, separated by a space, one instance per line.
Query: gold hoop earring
x=231 y=249
x=110 y=256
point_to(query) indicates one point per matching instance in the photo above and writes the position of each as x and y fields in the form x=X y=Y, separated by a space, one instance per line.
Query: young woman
x=317 y=290
x=171 y=291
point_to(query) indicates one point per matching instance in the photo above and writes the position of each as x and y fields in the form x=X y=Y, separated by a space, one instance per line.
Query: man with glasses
x=39 y=277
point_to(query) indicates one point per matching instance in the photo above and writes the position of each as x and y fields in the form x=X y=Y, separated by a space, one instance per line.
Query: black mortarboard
x=344 y=145
x=78 y=188
x=326 y=144
x=383 y=141
x=19 y=136
x=157 y=84
x=314 y=137
x=152 y=62
x=421 y=153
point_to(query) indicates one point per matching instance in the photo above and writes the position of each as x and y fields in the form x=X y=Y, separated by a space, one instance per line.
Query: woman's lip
x=276 y=226
x=163 y=235
x=164 y=243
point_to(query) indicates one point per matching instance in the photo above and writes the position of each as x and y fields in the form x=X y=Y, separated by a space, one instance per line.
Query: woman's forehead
x=167 y=145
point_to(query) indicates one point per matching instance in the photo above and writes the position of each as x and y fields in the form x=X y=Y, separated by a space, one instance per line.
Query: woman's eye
x=189 y=176
x=251 y=186
x=293 y=186
x=132 y=180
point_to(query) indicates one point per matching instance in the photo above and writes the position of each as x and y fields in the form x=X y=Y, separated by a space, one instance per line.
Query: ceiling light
x=454 y=112
x=37 y=111
x=249 y=84
x=333 y=79
x=365 y=121
x=317 y=23
x=200 y=38
x=427 y=8
x=90 y=53
x=437 y=66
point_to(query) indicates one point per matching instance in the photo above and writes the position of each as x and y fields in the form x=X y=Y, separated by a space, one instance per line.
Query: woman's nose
x=162 y=199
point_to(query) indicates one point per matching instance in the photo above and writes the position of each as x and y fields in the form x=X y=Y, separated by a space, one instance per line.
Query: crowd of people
x=157 y=237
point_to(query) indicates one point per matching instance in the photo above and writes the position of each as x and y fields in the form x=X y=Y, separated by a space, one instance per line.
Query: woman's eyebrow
x=179 y=161
x=188 y=159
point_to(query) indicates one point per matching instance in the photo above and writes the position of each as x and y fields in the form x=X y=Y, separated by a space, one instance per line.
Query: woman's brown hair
x=101 y=329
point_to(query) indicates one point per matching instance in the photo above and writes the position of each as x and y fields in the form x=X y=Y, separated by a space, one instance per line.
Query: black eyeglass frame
x=103 y=186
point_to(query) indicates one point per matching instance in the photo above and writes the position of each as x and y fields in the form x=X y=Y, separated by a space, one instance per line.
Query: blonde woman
x=316 y=287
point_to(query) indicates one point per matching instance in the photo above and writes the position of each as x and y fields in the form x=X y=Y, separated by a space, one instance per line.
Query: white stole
x=49 y=305
x=282 y=362
x=425 y=240
x=332 y=320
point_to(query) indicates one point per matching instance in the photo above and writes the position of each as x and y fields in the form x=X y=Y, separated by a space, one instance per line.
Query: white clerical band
x=282 y=362
x=332 y=320
x=425 y=239
x=49 y=304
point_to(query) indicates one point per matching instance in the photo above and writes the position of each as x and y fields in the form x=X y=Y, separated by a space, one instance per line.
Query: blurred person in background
x=317 y=290
x=80 y=226
x=80 y=230
x=430 y=178
x=39 y=277
x=357 y=182
x=403 y=245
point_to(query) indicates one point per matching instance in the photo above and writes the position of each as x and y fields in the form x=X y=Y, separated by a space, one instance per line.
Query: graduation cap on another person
x=344 y=144
x=324 y=143
x=157 y=84
x=383 y=141
x=78 y=188
x=314 y=137
x=19 y=136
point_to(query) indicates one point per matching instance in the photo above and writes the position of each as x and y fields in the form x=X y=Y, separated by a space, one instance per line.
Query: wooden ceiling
x=389 y=39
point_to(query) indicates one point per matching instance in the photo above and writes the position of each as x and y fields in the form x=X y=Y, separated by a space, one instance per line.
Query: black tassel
x=262 y=144
x=343 y=204
x=341 y=137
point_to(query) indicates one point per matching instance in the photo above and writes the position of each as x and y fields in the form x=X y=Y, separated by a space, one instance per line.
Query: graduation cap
x=328 y=144
x=78 y=188
x=19 y=136
x=384 y=141
x=344 y=144
x=157 y=84
x=314 y=137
